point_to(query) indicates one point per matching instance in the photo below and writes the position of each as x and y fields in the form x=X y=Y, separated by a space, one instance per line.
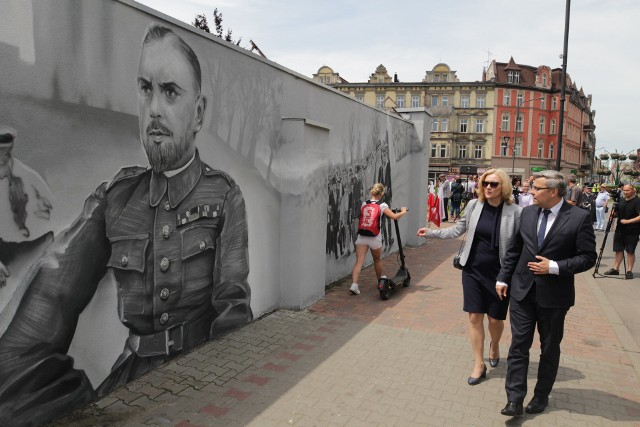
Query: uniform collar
x=177 y=186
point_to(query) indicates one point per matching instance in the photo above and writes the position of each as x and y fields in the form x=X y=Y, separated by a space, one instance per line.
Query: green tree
x=200 y=21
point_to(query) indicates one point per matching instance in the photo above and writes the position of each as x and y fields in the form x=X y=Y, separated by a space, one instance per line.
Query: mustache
x=155 y=126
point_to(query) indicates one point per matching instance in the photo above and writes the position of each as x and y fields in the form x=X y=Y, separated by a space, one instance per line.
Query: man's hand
x=502 y=291
x=541 y=267
x=422 y=232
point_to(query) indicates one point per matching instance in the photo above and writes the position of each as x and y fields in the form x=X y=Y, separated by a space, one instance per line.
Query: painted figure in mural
x=25 y=207
x=173 y=234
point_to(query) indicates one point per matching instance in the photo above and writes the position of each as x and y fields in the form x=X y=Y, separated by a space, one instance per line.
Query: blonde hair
x=507 y=188
x=377 y=190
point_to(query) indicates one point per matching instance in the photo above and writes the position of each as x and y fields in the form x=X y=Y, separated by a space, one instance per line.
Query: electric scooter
x=387 y=286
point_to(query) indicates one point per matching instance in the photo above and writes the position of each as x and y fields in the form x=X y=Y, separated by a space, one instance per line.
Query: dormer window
x=544 y=80
x=513 y=77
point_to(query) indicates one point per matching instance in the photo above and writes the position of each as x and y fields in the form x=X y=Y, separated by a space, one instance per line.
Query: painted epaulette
x=209 y=171
x=126 y=173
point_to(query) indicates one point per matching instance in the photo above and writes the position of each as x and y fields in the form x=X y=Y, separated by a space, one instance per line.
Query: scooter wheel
x=406 y=283
x=385 y=293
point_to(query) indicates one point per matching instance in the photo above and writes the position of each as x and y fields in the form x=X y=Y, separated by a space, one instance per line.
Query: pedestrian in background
x=490 y=223
x=365 y=243
x=525 y=198
x=601 y=207
x=627 y=231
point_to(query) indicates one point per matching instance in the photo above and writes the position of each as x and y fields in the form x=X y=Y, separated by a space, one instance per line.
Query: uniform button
x=167 y=206
x=166 y=231
x=125 y=260
x=164 y=318
x=207 y=169
x=203 y=246
x=164 y=264
x=164 y=294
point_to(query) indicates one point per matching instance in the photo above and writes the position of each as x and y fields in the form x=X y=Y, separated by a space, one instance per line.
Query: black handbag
x=456 y=259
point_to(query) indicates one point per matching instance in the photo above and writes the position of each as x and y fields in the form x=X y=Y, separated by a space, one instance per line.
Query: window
x=400 y=101
x=516 y=77
x=543 y=103
x=462 y=151
x=434 y=125
x=464 y=101
x=510 y=76
x=542 y=127
x=445 y=100
x=481 y=101
x=552 y=127
x=540 y=149
x=554 y=103
x=506 y=97
x=443 y=150
x=505 y=122
x=479 y=125
x=434 y=100
x=503 y=148
x=434 y=150
x=520 y=99
x=380 y=101
x=518 y=149
x=415 y=101
x=551 y=151
x=519 y=121
x=544 y=80
x=477 y=152
x=360 y=97
x=380 y=79
x=444 y=125
x=463 y=125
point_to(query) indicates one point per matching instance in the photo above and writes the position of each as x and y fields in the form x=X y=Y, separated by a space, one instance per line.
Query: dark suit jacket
x=570 y=242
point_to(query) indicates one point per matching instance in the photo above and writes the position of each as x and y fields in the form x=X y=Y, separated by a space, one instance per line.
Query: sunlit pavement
x=360 y=361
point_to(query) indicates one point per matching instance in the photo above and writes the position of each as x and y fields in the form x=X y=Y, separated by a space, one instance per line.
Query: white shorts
x=374 y=242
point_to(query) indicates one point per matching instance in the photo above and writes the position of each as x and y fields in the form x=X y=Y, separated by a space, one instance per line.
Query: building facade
x=509 y=119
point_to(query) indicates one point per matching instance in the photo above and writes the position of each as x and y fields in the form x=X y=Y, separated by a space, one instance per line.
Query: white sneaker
x=354 y=289
x=384 y=276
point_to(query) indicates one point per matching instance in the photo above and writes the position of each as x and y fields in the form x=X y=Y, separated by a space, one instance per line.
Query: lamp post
x=618 y=158
x=505 y=140
x=515 y=130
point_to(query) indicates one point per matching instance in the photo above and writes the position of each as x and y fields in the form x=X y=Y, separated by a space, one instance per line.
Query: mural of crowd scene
x=157 y=185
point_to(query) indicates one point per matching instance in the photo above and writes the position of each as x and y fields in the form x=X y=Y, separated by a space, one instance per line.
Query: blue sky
x=410 y=37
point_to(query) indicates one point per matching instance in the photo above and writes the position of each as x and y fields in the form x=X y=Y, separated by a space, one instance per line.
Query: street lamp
x=505 y=140
x=618 y=158
x=515 y=129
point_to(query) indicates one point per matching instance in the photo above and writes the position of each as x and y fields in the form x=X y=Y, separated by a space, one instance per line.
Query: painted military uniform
x=178 y=249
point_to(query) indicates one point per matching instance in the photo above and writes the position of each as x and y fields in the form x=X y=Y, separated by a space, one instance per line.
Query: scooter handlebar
x=396 y=210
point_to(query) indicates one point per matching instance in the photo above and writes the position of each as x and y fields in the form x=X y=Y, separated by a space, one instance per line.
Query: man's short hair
x=572 y=179
x=158 y=32
x=554 y=179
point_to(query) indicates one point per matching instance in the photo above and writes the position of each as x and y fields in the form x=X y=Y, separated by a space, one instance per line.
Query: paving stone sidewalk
x=360 y=361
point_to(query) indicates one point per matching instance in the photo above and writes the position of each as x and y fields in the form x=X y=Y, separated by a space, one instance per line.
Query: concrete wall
x=69 y=91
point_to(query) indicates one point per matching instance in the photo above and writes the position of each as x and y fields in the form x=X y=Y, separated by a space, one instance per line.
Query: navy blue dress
x=482 y=267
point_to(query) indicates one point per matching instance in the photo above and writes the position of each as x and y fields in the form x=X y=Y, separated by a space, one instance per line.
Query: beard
x=164 y=156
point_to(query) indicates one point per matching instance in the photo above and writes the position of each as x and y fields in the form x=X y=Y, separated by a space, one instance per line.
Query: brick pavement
x=360 y=361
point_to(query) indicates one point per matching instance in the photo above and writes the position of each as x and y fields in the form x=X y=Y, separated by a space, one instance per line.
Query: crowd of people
x=524 y=242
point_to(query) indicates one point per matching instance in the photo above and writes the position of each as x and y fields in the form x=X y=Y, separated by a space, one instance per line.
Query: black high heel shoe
x=493 y=362
x=475 y=381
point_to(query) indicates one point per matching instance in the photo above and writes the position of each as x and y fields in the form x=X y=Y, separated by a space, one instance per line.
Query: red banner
x=434 y=209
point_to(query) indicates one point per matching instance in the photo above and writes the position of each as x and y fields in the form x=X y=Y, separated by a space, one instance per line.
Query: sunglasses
x=491 y=184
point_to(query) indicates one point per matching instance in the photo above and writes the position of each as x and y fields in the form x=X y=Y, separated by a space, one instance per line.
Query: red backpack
x=369 y=223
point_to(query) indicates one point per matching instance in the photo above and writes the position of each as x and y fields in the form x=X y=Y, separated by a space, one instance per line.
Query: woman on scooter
x=373 y=242
x=490 y=222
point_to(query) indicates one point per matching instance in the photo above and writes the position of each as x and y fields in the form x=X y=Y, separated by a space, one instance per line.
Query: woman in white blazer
x=490 y=222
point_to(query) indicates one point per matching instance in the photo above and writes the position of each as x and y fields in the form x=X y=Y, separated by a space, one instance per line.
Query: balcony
x=586 y=166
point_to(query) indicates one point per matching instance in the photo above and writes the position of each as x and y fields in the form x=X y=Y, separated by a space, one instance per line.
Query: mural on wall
x=349 y=184
x=173 y=234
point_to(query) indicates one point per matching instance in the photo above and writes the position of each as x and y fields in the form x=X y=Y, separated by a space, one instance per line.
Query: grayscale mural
x=160 y=187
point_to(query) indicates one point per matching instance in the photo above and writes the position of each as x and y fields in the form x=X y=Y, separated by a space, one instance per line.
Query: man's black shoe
x=537 y=405
x=611 y=272
x=513 y=409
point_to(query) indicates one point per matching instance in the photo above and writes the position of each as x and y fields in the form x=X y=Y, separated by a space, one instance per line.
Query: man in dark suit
x=555 y=241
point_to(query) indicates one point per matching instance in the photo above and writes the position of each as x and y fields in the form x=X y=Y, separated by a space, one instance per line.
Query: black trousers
x=446 y=208
x=524 y=316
